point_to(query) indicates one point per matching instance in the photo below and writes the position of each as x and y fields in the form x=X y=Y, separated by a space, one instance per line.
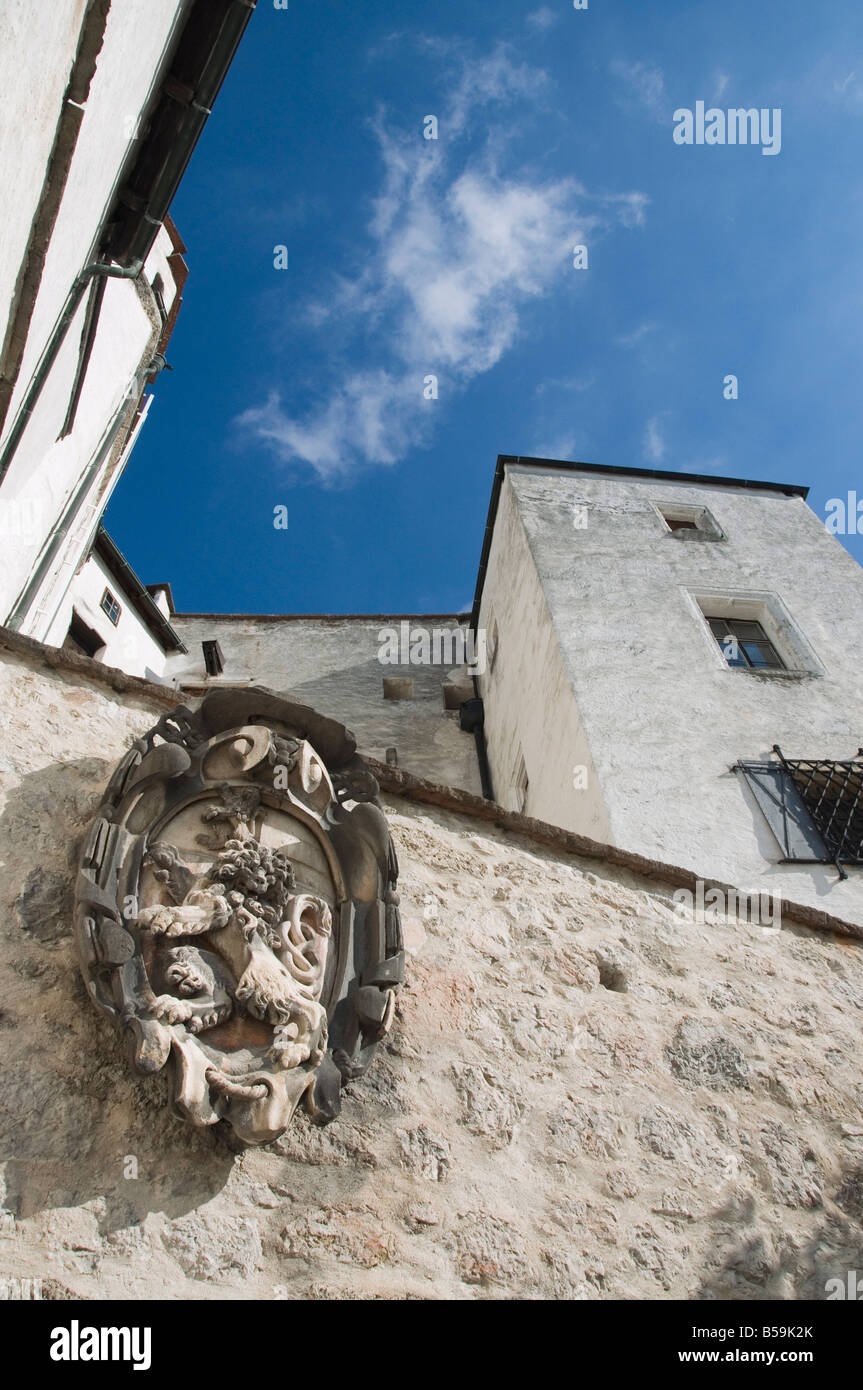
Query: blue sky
x=410 y=257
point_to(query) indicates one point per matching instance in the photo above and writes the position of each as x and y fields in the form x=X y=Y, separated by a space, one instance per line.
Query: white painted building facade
x=108 y=615
x=619 y=702
x=103 y=101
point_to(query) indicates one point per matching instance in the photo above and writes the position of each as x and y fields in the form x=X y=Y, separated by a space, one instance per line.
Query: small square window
x=689 y=522
x=746 y=644
x=111 y=607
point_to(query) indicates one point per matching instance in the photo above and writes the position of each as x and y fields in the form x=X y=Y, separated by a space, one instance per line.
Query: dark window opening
x=110 y=607
x=690 y=522
x=82 y=639
x=214 y=661
x=744 y=643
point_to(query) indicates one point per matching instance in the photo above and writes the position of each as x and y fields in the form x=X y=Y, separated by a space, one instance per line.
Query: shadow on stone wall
x=754 y=1263
x=75 y=1120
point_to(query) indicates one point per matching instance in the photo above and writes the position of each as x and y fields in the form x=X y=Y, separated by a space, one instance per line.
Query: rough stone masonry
x=584 y=1096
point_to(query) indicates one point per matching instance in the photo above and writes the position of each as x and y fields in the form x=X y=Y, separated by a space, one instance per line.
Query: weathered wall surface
x=333 y=665
x=584 y=1097
x=530 y=708
x=663 y=716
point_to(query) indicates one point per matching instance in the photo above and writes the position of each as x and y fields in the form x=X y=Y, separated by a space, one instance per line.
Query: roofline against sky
x=600 y=469
x=609 y=471
x=329 y=617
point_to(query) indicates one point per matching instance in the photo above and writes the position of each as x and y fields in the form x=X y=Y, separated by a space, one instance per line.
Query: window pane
x=733 y=652
x=761 y=654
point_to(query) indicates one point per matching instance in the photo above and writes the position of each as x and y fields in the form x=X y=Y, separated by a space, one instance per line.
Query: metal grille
x=833 y=796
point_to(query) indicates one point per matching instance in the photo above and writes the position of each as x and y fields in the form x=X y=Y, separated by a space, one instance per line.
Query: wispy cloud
x=645 y=84
x=837 y=78
x=566 y=384
x=558 y=446
x=720 y=85
x=460 y=245
x=654 y=441
x=542 y=18
x=631 y=340
x=848 y=88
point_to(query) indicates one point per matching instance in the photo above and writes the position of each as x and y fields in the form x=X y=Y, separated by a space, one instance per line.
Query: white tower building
x=674 y=669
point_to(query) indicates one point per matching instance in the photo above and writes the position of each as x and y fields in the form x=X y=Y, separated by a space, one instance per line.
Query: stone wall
x=334 y=665
x=584 y=1096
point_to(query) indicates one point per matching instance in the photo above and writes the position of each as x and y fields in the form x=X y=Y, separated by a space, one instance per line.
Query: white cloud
x=560 y=446
x=654 y=443
x=646 y=84
x=459 y=248
x=721 y=81
x=849 y=89
x=567 y=384
x=630 y=340
x=542 y=18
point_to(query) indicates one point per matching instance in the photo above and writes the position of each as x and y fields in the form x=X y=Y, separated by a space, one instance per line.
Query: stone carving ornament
x=237 y=913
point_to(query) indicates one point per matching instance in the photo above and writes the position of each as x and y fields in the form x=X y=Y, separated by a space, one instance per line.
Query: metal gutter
x=88 y=340
x=197 y=70
x=198 y=67
x=52 y=348
x=49 y=553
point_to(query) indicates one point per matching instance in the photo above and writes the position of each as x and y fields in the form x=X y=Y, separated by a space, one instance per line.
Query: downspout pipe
x=472 y=721
x=88 y=342
x=55 y=342
x=46 y=560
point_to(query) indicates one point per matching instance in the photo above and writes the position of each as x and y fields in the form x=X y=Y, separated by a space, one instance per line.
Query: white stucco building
x=103 y=103
x=649 y=632
x=109 y=615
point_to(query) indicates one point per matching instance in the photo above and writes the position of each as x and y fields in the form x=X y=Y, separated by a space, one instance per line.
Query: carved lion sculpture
x=270 y=945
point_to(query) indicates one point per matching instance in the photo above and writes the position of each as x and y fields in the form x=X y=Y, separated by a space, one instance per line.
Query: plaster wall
x=128 y=646
x=333 y=664
x=47 y=470
x=138 y=36
x=530 y=709
x=583 y=1096
x=30 y=34
x=664 y=716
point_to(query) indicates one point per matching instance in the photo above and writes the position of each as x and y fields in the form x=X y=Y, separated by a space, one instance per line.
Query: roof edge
x=330 y=617
x=610 y=471
x=149 y=611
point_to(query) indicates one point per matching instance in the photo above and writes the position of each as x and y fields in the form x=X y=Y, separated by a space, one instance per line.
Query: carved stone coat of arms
x=237 y=913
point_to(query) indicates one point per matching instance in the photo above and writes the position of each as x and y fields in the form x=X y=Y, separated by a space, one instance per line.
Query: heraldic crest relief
x=236 y=911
